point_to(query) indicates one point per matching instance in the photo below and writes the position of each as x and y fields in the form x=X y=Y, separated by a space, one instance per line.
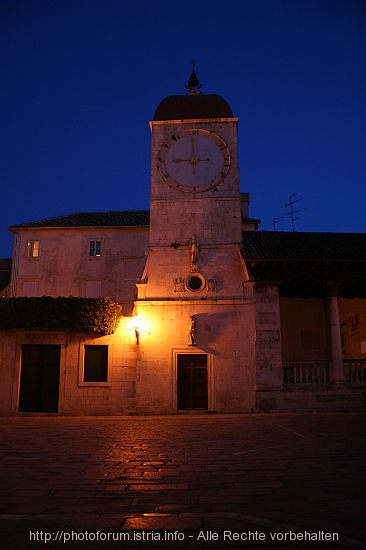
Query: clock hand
x=192 y=160
x=193 y=151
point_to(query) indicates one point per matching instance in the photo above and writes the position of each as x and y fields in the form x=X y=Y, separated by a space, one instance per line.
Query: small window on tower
x=196 y=282
x=95 y=248
x=33 y=249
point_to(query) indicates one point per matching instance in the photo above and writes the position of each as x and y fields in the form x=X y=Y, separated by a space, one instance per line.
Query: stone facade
x=202 y=329
x=64 y=266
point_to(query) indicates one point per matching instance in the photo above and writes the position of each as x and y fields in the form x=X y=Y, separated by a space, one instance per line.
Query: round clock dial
x=194 y=161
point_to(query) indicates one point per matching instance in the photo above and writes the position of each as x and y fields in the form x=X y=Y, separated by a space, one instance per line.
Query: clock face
x=194 y=161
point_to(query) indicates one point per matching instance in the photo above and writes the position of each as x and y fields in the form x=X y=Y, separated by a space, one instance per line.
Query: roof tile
x=279 y=245
x=126 y=218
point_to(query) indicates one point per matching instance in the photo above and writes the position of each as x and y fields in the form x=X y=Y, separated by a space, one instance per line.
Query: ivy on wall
x=97 y=315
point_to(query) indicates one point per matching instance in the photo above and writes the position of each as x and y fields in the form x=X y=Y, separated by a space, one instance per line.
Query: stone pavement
x=70 y=482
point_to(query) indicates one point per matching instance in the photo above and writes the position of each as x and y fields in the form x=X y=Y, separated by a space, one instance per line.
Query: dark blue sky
x=80 y=80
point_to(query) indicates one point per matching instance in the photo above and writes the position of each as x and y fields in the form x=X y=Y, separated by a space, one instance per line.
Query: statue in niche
x=195 y=246
x=211 y=285
x=192 y=331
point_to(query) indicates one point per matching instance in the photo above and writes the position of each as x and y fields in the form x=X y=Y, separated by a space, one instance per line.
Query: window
x=32 y=249
x=195 y=282
x=95 y=248
x=95 y=363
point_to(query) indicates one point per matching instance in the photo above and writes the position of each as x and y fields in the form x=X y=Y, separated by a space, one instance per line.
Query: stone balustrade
x=306 y=372
x=319 y=372
x=355 y=371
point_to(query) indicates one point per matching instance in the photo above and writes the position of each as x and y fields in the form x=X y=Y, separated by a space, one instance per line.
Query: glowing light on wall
x=139 y=326
x=136 y=321
x=142 y=328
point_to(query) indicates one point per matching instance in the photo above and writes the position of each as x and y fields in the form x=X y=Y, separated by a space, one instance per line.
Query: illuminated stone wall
x=65 y=268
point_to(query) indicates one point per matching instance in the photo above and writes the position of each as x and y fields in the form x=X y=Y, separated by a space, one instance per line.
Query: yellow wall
x=352 y=317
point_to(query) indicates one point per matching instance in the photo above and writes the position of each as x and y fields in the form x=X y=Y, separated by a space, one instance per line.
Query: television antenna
x=276 y=220
x=290 y=205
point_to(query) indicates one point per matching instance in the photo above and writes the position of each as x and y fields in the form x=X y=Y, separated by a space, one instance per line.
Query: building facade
x=216 y=315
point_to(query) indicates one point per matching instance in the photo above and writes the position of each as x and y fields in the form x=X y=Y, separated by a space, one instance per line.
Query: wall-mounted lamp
x=136 y=324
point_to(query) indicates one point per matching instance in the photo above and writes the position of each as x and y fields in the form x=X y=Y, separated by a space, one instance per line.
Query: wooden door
x=40 y=378
x=192 y=381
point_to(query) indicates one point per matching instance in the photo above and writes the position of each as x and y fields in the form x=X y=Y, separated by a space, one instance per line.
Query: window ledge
x=94 y=385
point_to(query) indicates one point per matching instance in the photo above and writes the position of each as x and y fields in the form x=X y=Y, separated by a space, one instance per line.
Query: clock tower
x=195 y=197
x=196 y=350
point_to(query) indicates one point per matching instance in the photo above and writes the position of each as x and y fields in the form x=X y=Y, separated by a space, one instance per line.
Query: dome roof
x=182 y=107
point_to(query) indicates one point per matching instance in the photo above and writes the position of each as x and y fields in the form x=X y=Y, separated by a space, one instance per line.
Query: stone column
x=335 y=337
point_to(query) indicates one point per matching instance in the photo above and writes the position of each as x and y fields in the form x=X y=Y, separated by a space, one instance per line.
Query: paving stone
x=304 y=472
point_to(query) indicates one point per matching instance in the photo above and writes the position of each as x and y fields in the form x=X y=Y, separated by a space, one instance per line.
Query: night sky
x=81 y=79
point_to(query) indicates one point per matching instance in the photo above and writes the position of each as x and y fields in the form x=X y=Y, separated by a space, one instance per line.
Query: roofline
x=309 y=232
x=26 y=226
x=302 y=260
x=191 y=121
x=35 y=223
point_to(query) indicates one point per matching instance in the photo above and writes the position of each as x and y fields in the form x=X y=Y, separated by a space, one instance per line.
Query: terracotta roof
x=126 y=218
x=308 y=264
x=285 y=246
x=183 y=107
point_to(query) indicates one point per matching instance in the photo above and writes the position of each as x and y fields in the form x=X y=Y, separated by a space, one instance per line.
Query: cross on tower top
x=193 y=86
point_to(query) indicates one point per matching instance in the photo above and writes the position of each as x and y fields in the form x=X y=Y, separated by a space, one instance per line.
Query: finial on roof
x=193 y=87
